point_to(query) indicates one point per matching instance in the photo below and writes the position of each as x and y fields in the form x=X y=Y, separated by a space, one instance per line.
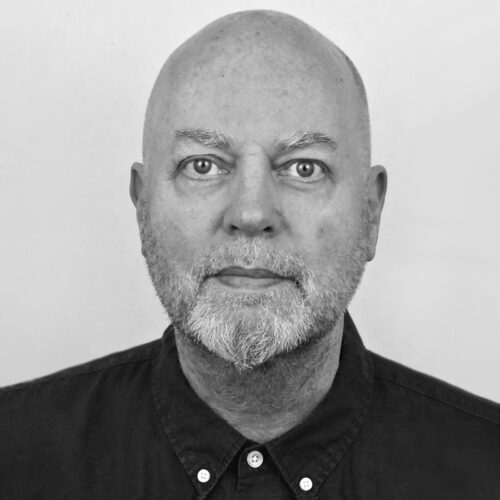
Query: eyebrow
x=209 y=138
x=297 y=140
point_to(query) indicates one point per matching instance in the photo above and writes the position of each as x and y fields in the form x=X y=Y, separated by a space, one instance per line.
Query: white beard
x=250 y=329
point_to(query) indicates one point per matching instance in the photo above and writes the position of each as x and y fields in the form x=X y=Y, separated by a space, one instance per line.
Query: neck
x=264 y=402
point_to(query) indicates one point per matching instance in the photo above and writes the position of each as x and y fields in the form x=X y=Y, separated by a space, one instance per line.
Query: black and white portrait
x=249 y=250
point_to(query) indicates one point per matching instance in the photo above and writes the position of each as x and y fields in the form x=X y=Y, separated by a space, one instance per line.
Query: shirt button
x=255 y=459
x=305 y=484
x=203 y=476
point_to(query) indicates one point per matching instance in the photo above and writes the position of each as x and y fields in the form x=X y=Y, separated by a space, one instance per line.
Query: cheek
x=339 y=219
x=181 y=229
x=335 y=236
x=331 y=229
x=328 y=237
x=322 y=230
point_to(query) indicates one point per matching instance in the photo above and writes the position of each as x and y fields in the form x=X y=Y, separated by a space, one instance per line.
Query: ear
x=376 y=187
x=137 y=182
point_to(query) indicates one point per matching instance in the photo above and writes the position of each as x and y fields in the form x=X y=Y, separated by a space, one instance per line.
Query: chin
x=250 y=335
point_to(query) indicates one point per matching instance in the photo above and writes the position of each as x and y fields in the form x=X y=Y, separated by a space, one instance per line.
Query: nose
x=252 y=209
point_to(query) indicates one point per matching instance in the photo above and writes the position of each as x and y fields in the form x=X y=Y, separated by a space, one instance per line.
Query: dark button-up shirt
x=129 y=426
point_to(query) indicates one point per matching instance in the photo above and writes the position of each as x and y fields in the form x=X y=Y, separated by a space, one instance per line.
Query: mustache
x=252 y=254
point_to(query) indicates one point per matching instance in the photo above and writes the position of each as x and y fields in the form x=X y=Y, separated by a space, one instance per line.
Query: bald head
x=258 y=63
x=257 y=150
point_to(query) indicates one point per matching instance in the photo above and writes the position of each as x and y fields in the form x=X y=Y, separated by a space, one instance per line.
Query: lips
x=249 y=278
x=255 y=273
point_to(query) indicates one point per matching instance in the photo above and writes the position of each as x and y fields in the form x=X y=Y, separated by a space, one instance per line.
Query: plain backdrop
x=74 y=81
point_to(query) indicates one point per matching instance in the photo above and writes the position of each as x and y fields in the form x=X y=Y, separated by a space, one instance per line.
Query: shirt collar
x=203 y=440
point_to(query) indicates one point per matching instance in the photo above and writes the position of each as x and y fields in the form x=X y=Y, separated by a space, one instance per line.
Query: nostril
x=267 y=229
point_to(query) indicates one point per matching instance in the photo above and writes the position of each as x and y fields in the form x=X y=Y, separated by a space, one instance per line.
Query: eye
x=306 y=170
x=201 y=168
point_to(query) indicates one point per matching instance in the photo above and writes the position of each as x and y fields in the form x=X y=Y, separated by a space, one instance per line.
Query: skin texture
x=258 y=77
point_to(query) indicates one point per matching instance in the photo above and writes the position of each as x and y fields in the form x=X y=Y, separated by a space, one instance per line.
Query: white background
x=74 y=80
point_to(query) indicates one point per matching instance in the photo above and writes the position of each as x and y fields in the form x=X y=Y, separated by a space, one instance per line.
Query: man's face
x=254 y=209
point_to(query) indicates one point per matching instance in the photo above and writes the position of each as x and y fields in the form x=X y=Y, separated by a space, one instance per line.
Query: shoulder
x=50 y=424
x=436 y=393
x=60 y=407
x=82 y=373
x=433 y=439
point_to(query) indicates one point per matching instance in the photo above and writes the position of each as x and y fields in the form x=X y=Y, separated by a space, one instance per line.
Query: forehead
x=253 y=94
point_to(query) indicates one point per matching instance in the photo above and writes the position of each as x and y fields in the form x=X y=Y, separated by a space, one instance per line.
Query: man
x=258 y=210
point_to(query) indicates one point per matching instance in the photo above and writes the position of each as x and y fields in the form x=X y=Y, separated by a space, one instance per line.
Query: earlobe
x=136 y=182
x=377 y=188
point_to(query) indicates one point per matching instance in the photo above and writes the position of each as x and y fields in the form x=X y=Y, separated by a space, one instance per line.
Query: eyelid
x=210 y=157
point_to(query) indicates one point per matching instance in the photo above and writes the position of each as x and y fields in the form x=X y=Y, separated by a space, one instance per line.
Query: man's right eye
x=202 y=168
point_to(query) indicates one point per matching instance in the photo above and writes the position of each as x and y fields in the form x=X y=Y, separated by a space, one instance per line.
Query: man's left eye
x=307 y=170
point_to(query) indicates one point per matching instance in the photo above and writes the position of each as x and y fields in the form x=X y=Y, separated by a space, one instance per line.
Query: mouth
x=249 y=278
